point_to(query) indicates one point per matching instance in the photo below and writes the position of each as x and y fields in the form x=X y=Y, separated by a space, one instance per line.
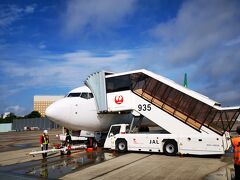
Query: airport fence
x=33 y=124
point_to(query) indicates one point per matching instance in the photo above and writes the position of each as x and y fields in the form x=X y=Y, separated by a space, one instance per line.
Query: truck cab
x=114 y=130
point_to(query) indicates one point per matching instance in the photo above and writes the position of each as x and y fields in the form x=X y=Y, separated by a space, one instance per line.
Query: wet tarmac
x=11 y=141
x=102 y=164
x=22 y=146
x=226 y=172
x=58 y=166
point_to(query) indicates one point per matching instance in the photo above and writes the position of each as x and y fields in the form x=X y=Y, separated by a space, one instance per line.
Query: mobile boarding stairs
x=185 y=114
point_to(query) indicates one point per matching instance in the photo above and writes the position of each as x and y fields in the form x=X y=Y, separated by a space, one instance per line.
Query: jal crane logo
x=119 y=99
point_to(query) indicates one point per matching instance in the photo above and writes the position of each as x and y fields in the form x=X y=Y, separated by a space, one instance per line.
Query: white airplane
x=77 y=111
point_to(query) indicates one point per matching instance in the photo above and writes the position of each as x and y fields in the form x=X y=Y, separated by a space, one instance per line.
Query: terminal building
x=40 y=103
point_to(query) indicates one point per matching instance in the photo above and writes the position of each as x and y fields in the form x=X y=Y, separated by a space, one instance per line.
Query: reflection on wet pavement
x=59 y=166
x=21 y=146
x=226 y=172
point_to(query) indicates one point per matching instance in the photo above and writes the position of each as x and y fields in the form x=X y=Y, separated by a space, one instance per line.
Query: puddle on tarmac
x=24 y=145
x=226 y=172
x=16 y=146
x=59 y=166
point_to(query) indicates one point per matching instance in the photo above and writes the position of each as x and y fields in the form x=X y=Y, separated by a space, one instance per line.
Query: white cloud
x=203 y=38
x=198 y=27
x=95 y=15
x=11 y=13
x=16 y=109
x=234 y=41
x=8 y=15
x=68 y=70
x=30 y=8
x=42 y=45
x=88 y=58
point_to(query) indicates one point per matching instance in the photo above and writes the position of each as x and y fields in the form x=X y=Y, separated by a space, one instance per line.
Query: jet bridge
x=96 y=83
x=173 y=107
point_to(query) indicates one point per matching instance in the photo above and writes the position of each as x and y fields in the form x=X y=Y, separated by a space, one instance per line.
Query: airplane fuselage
x=79 y=112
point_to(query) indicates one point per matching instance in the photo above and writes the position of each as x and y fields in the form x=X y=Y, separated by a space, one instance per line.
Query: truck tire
x=170 y=148
x=121 y=145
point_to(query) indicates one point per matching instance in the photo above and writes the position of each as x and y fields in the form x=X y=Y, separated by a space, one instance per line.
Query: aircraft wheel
x=121 y=145
x=170 y=148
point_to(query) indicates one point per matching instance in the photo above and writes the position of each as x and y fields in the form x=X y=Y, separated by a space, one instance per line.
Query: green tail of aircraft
x=185 y=83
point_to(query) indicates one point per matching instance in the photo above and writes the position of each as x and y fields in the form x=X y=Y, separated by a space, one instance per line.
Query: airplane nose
x=51 y=112
x=55 y=111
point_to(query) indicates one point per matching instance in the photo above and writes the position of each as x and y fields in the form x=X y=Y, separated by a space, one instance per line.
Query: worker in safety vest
x=44 y=141
x=236 y=151
x=68 y=141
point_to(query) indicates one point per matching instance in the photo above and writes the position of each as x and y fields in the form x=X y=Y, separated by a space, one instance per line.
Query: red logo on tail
x=119 y=99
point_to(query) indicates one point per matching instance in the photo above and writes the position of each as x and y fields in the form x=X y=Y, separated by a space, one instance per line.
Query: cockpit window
x=74 y=95
x=84 y=95
x=90 y=95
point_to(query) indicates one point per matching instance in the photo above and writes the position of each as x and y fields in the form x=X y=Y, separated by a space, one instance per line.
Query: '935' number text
x=144 y=107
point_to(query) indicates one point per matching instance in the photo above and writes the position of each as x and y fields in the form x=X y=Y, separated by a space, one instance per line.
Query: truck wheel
x=121 y=145
x=170 y=148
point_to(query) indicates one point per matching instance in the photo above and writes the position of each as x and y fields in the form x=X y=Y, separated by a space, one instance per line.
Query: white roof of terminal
x=173 y=84
x=47 y=98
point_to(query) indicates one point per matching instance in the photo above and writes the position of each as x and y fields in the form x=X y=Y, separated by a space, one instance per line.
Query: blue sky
x=50 y=47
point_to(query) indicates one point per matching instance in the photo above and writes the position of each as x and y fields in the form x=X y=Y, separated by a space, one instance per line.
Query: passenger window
x=119 y=83
x=74 y=95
